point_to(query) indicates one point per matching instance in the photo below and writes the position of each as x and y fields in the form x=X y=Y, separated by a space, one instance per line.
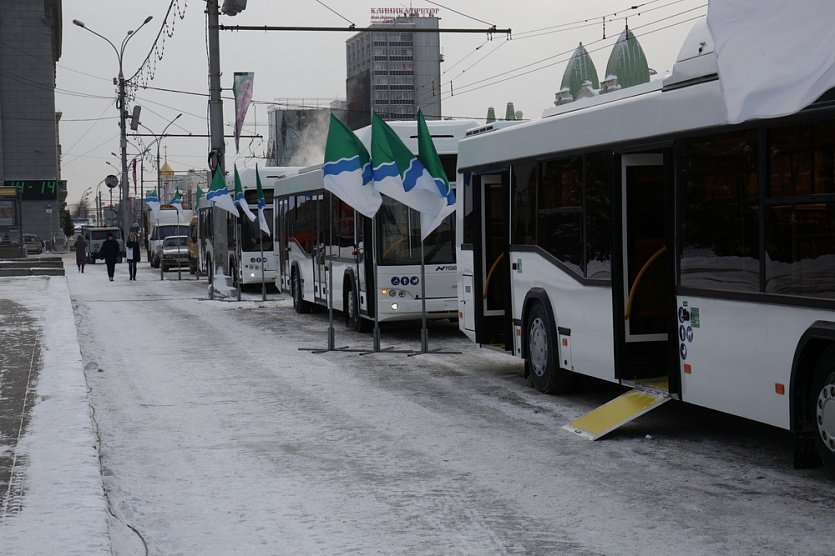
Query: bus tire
x=544 y=372
x=823 y=410
x=353 y=318
x=299 y=304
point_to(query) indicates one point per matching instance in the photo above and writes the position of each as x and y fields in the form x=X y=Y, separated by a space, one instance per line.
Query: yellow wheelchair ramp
x=617 y=412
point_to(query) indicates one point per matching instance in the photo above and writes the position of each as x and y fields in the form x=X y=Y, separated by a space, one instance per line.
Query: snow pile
x=221 y=286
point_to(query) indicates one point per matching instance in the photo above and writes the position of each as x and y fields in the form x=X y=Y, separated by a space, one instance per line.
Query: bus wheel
x=299 y=304
x=824 y=411
x=541 y=362
x=353 y=319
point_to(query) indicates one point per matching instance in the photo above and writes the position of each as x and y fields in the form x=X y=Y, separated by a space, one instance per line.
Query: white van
x=167 y=225
x=95 y=236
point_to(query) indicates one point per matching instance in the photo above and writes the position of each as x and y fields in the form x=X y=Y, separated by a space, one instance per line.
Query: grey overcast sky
x=478 y=71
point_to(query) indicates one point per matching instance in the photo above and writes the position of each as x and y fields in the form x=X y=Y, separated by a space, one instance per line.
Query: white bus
x=315 y=228
x=245 y=265
x=637 y=235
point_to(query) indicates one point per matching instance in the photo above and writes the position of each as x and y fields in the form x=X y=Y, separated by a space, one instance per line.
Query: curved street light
x=120 y=104
x=158 y=139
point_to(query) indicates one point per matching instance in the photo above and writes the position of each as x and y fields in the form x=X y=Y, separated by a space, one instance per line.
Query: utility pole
x=220 y=240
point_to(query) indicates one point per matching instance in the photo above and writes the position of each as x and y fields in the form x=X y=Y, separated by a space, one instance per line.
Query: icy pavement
x=52 y=496
x=221 y=433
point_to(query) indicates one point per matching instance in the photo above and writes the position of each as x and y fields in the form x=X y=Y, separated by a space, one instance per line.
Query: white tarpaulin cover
x=775 y=57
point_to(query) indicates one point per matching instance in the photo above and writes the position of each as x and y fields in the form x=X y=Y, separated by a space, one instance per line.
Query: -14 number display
x=31 y=190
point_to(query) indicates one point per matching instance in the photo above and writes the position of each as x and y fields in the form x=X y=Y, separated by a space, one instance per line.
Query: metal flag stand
x=329 y=271
x=376 y=288
x=424 y=331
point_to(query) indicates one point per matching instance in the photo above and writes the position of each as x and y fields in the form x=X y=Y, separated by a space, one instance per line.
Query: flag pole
x=160 y=248
x=238 y=255
x=263 y=264
x=376 y=285
x=179 y=247
x=161 y=245
x=424 y=333
x=329 y=270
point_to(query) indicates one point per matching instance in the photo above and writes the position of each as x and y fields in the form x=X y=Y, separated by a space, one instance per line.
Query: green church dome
x=627 y=61
x=580 y=69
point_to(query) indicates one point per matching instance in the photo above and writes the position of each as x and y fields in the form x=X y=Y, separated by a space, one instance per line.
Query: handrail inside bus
x=638 y=279
x=490 y=275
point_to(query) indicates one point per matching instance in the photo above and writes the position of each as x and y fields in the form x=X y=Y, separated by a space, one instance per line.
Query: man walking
x=110 y=251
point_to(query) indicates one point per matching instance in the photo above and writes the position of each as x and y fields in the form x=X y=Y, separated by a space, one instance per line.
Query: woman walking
x=132 y=255
x=80 y=247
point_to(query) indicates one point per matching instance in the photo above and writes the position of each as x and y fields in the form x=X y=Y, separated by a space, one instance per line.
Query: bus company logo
x=446 y=267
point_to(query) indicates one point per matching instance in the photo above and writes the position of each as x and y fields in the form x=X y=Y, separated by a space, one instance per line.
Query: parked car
x=174 y=252
x=32 y=243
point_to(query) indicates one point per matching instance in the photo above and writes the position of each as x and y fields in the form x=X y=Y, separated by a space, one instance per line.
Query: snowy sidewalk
x=54 y=502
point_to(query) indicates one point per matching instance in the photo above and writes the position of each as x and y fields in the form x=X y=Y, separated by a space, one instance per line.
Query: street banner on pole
x=242 y=88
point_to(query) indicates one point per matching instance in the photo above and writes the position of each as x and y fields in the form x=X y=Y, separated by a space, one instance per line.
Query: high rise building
x=394 y=70
x=29 y=142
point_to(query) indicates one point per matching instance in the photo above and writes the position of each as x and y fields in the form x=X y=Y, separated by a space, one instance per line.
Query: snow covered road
x=221 y=435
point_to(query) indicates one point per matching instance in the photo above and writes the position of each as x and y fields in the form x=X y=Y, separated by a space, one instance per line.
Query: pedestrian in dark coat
x=132 y=255
x=80 y=247
x=110 y=251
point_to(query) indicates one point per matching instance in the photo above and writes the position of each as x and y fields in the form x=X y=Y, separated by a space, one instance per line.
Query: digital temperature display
x=34 y=190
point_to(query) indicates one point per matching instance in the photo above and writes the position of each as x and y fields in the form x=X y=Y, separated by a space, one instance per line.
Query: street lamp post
x=158 y=139
x=120 y=104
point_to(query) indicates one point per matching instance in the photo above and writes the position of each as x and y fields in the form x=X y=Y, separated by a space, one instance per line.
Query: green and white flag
x=219 y=196
x=177 y=203
x=428 y=155
x=200 y=195
x=240 y=200
x=347 y=169
x=262 y=204
x=152 y=202
x=399 y=174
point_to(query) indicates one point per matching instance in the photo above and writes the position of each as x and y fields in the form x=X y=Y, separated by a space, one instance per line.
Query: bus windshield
x=162 y=232
x=399 y=228
x=252 y=238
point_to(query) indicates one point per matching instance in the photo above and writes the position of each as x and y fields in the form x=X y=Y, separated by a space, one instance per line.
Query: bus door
x=642 y=288
x=492 y=266
x=281 y=236
x=320 y=249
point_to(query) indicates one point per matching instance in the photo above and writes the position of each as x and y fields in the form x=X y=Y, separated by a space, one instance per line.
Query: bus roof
x=445 y=133
x=687 y=98
x=268 y=176
x=306 y=180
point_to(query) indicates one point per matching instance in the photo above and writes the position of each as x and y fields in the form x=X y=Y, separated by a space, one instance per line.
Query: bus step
x=617 y=412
